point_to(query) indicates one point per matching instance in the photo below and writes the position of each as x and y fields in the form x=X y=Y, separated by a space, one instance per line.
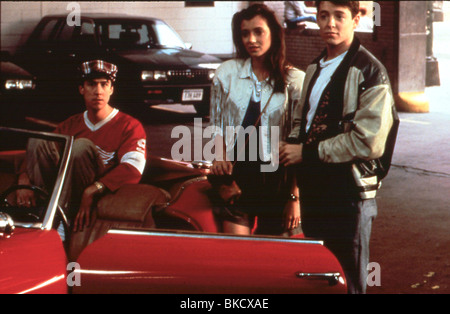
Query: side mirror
x=6 y=226
x=188 y=45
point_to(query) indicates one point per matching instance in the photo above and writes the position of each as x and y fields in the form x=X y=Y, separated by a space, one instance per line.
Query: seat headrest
x=130 y=37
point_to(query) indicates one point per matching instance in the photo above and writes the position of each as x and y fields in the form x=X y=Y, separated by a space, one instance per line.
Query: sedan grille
x=185 y=75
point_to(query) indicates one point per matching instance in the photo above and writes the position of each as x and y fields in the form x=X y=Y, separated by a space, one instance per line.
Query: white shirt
x=231 y=92
x=327 y=70
x=257 y=88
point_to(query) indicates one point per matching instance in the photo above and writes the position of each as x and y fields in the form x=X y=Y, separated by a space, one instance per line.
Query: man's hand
x=291 y=154
x=83 y=217
x=25 y=198
x=222 y=168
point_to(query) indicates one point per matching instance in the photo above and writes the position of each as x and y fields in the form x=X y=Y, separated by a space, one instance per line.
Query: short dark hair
x=276 y=56
x=352 y=5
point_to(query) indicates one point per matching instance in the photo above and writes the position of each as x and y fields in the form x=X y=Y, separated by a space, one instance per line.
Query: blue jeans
x=346 y=233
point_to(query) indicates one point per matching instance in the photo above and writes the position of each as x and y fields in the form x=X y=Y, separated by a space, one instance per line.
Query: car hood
x=167 y=58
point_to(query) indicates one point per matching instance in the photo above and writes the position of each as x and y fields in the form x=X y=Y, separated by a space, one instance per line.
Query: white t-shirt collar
x=336 y=60
x=97 y=126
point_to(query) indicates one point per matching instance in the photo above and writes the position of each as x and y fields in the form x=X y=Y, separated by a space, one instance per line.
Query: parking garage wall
x=208 y=29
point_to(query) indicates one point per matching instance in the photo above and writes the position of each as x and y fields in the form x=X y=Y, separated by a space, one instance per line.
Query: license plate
x=192 y=95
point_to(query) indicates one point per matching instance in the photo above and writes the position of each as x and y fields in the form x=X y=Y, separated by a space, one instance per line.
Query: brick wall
x=303 y=47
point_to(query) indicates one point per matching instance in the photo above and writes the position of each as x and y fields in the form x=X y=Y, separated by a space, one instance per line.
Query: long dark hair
x=275 y=60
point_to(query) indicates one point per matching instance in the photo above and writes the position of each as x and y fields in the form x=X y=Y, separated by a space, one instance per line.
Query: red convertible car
x=159 y=236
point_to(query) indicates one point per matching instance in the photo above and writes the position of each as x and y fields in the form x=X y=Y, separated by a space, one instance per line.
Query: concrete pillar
x=412 y=50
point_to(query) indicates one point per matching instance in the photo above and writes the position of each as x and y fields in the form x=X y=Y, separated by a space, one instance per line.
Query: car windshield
x=167 y=36
x=134 y=35
x=19 y=151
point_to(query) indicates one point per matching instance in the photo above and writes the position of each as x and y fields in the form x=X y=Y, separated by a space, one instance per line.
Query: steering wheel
x=36 y=189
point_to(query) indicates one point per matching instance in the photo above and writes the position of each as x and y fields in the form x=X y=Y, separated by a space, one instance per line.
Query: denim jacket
x=231 y=92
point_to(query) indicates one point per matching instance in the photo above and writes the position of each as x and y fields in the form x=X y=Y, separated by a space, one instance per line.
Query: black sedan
x=17 y=87
x=155 y=65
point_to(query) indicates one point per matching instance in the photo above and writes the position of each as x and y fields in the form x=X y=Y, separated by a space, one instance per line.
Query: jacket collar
x=354 y=47
x=246 y=72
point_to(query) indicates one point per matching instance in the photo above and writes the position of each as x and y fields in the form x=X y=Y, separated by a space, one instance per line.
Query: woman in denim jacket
x=256 y=91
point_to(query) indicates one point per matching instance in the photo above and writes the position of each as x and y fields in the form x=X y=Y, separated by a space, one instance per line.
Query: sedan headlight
x=211 y=74
x=19 y=84
x=212 y=67
x=153 y=76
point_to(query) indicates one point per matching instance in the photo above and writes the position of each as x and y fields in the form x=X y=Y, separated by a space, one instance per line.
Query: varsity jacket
x=359 y=88
x=367 y=91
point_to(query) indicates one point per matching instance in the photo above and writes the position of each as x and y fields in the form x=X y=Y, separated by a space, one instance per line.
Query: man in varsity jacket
x=345 y=80
x=109 y=148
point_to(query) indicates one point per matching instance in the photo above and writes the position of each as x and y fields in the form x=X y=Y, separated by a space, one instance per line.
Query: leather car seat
x=131 y=206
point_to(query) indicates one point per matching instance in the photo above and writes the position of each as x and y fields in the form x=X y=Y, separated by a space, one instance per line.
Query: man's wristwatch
x=293 y=197
x=100 y=187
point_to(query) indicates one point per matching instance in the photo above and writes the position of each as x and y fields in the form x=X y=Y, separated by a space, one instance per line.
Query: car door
x=32 y=255
x=187 y=262
x=32 y=261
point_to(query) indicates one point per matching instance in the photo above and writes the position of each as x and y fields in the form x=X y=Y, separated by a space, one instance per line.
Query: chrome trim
x=47 y=223
x=52 y=207
x=6 y=226
x=202 y=164
x=213 y=236
x=180 y=86
x=332 y=278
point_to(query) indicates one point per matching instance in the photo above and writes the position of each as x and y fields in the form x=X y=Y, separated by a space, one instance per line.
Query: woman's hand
x=222 y=168
x=291 y=215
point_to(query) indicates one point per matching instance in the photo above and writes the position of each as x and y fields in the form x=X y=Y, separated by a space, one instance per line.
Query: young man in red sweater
x=109 y=149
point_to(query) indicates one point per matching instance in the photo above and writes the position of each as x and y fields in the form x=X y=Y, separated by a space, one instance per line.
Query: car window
x=16 y=157
x=167 y=36
x=66 y=33
x=79 y=35
x=125 y=34
x=47 y=32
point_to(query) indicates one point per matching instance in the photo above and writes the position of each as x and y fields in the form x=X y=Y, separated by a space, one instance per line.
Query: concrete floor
x=411 y=235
